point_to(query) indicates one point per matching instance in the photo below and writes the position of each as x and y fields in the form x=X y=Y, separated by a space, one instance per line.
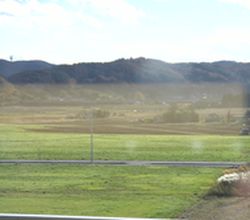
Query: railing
x=61 y=217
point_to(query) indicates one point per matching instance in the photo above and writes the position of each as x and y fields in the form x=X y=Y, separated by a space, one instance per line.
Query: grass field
x=61 y=131
x=21 y=142
x=102 y=190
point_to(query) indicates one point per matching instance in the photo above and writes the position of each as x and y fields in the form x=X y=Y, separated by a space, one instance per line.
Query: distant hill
x=221 y=71
x=139 y=70
x=7 y=68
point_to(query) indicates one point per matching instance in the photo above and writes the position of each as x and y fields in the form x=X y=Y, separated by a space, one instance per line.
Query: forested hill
x=8 y=69
x=139 y=70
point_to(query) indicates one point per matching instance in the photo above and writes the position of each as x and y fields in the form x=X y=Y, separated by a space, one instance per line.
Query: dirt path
x=229 y=208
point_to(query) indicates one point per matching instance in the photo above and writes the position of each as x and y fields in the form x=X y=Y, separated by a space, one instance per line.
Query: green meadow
x=22 y=142
x=61 y=130
x=102 y=190
x=109 y=190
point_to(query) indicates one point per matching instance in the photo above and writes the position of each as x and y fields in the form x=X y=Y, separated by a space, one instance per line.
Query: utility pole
x=91 y=137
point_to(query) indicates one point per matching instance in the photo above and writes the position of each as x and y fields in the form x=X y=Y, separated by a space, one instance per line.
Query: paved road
x=129 y=163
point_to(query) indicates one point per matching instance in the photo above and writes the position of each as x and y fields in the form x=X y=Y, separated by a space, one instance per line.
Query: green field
x=102 y=190
x=36 y=130
x=21 y=142
x=105 y=190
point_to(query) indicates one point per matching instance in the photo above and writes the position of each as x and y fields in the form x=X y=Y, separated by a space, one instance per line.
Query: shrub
x=94 y=113
x=100 y=113
x=213 y=117
x=177 y=114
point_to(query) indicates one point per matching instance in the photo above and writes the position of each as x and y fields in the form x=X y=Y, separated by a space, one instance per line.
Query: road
x=130 y=163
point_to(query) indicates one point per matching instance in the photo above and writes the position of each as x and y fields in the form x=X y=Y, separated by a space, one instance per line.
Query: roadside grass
x=102 y=190
x=18 y=142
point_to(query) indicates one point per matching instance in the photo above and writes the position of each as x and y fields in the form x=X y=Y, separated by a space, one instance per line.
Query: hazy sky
x=71 y=31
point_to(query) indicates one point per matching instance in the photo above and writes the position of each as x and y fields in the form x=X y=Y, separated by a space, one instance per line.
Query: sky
x=73 y=31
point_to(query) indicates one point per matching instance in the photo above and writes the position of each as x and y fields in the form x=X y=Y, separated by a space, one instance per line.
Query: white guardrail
x=62 y=217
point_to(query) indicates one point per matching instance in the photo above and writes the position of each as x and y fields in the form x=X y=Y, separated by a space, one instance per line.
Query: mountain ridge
x=133 y=70
x=8 y=68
